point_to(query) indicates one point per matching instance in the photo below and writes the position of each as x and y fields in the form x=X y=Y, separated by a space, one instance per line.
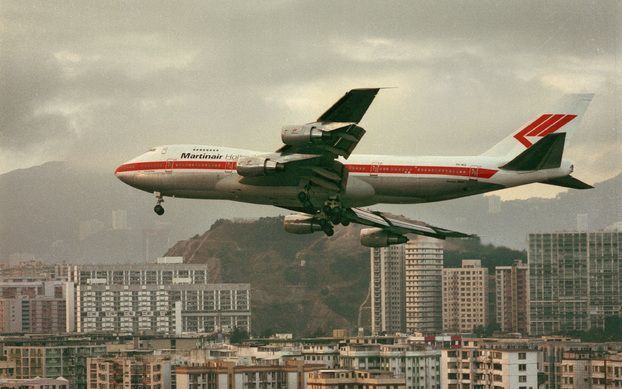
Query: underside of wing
x=399 y=225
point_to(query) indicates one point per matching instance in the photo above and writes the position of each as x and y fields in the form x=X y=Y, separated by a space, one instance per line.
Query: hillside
x=306 y=284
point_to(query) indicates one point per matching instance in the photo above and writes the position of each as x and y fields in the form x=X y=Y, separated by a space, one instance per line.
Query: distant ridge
x=42 y=208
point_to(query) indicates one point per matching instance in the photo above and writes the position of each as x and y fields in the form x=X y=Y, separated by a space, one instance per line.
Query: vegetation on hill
x=304 y=284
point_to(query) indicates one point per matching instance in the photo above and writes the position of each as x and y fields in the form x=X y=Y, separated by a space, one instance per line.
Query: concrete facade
x=575 y=280
x=465 y=297
x=512 y=296
x=387 y=289
x=424 y=277
x=167 y=297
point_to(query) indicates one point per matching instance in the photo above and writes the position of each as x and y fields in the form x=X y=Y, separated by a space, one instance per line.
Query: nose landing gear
x=158 y=209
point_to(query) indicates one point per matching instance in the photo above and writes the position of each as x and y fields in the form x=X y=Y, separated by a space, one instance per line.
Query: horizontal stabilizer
x=568 y=182
x=546 y=154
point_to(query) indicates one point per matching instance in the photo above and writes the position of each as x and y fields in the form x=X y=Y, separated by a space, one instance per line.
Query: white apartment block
x=465 y=297
x=423 y=287
x=166 y=309
x=387 y=289
x=326 y=354
x=481 y=368
x=419 y=366
x=167 y=297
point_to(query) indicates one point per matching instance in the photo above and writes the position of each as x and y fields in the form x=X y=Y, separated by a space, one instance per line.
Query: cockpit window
x=152 y=149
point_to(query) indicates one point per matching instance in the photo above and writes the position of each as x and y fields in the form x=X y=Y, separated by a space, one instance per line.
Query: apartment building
x=387 y=289
x=66 y=360
x=36 y=306
x=326 y=354
x=423 y=287
x=512 y=296
x=465 y=297
x=34 y=383
x=222 y=374
x=574 y=280
x=354 y=379
x=417 y=363
x=591 y=371
x=489 y=364
x=128 y=372
x=167 y=297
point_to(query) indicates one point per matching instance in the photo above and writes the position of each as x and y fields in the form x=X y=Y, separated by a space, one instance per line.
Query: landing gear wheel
x=159 y=209
x=345 y=222
x=335 y=218
x=329 y=231
x=303 y=197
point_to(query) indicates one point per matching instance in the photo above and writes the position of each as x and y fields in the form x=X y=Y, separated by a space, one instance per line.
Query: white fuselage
x=209 y=172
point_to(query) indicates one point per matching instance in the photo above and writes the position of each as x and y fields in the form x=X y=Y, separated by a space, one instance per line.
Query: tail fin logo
x=542 y=126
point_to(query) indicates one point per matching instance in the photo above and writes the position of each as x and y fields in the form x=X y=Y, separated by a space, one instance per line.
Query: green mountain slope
x=305 y=284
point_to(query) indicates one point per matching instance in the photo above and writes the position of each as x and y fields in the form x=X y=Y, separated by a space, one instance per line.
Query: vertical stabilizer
x=563 y=118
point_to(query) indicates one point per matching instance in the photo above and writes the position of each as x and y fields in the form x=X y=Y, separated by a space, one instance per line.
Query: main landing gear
x=328 y=216
x=159 y=209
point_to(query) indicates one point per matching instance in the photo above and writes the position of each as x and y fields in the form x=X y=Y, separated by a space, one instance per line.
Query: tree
x=238 y=336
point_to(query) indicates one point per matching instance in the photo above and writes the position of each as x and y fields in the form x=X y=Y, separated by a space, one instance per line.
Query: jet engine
x=377 y=237
x=303 y=135
x=301 y=224
x=257 y=166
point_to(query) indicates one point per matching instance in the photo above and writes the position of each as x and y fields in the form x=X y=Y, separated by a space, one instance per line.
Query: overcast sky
x=99 y=82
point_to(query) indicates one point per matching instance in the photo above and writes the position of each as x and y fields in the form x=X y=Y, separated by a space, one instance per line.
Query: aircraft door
x=168 y=166
x=230 y=166
x=375 y=169
x=473 y=172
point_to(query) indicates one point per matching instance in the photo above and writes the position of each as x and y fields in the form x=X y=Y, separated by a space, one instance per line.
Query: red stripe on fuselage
x=352 y=168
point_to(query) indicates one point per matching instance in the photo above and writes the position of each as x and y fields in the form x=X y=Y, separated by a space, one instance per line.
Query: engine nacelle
x=257 y=166
x=377 y=237
x=301 y=224
x=304 y=134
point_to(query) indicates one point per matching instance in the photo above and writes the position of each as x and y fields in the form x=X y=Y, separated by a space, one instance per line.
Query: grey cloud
x=116 y=77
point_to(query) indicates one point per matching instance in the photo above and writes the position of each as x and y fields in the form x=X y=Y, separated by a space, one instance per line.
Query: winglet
x=351 y=107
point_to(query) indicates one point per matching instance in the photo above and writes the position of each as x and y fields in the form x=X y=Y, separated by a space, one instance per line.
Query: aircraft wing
x=400 y=225
x=335 y=133
x=310 y=153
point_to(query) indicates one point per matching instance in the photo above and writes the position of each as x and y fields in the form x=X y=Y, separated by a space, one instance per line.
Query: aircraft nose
x=124 y=174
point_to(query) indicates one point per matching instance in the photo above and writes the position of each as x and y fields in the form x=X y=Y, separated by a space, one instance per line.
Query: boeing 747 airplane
x=315 y=174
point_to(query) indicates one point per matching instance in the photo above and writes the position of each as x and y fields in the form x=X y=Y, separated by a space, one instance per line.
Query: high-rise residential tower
x=387 y=289
x=574 y=280
x=423 y=287
x=465 y=297
x=512 y=296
